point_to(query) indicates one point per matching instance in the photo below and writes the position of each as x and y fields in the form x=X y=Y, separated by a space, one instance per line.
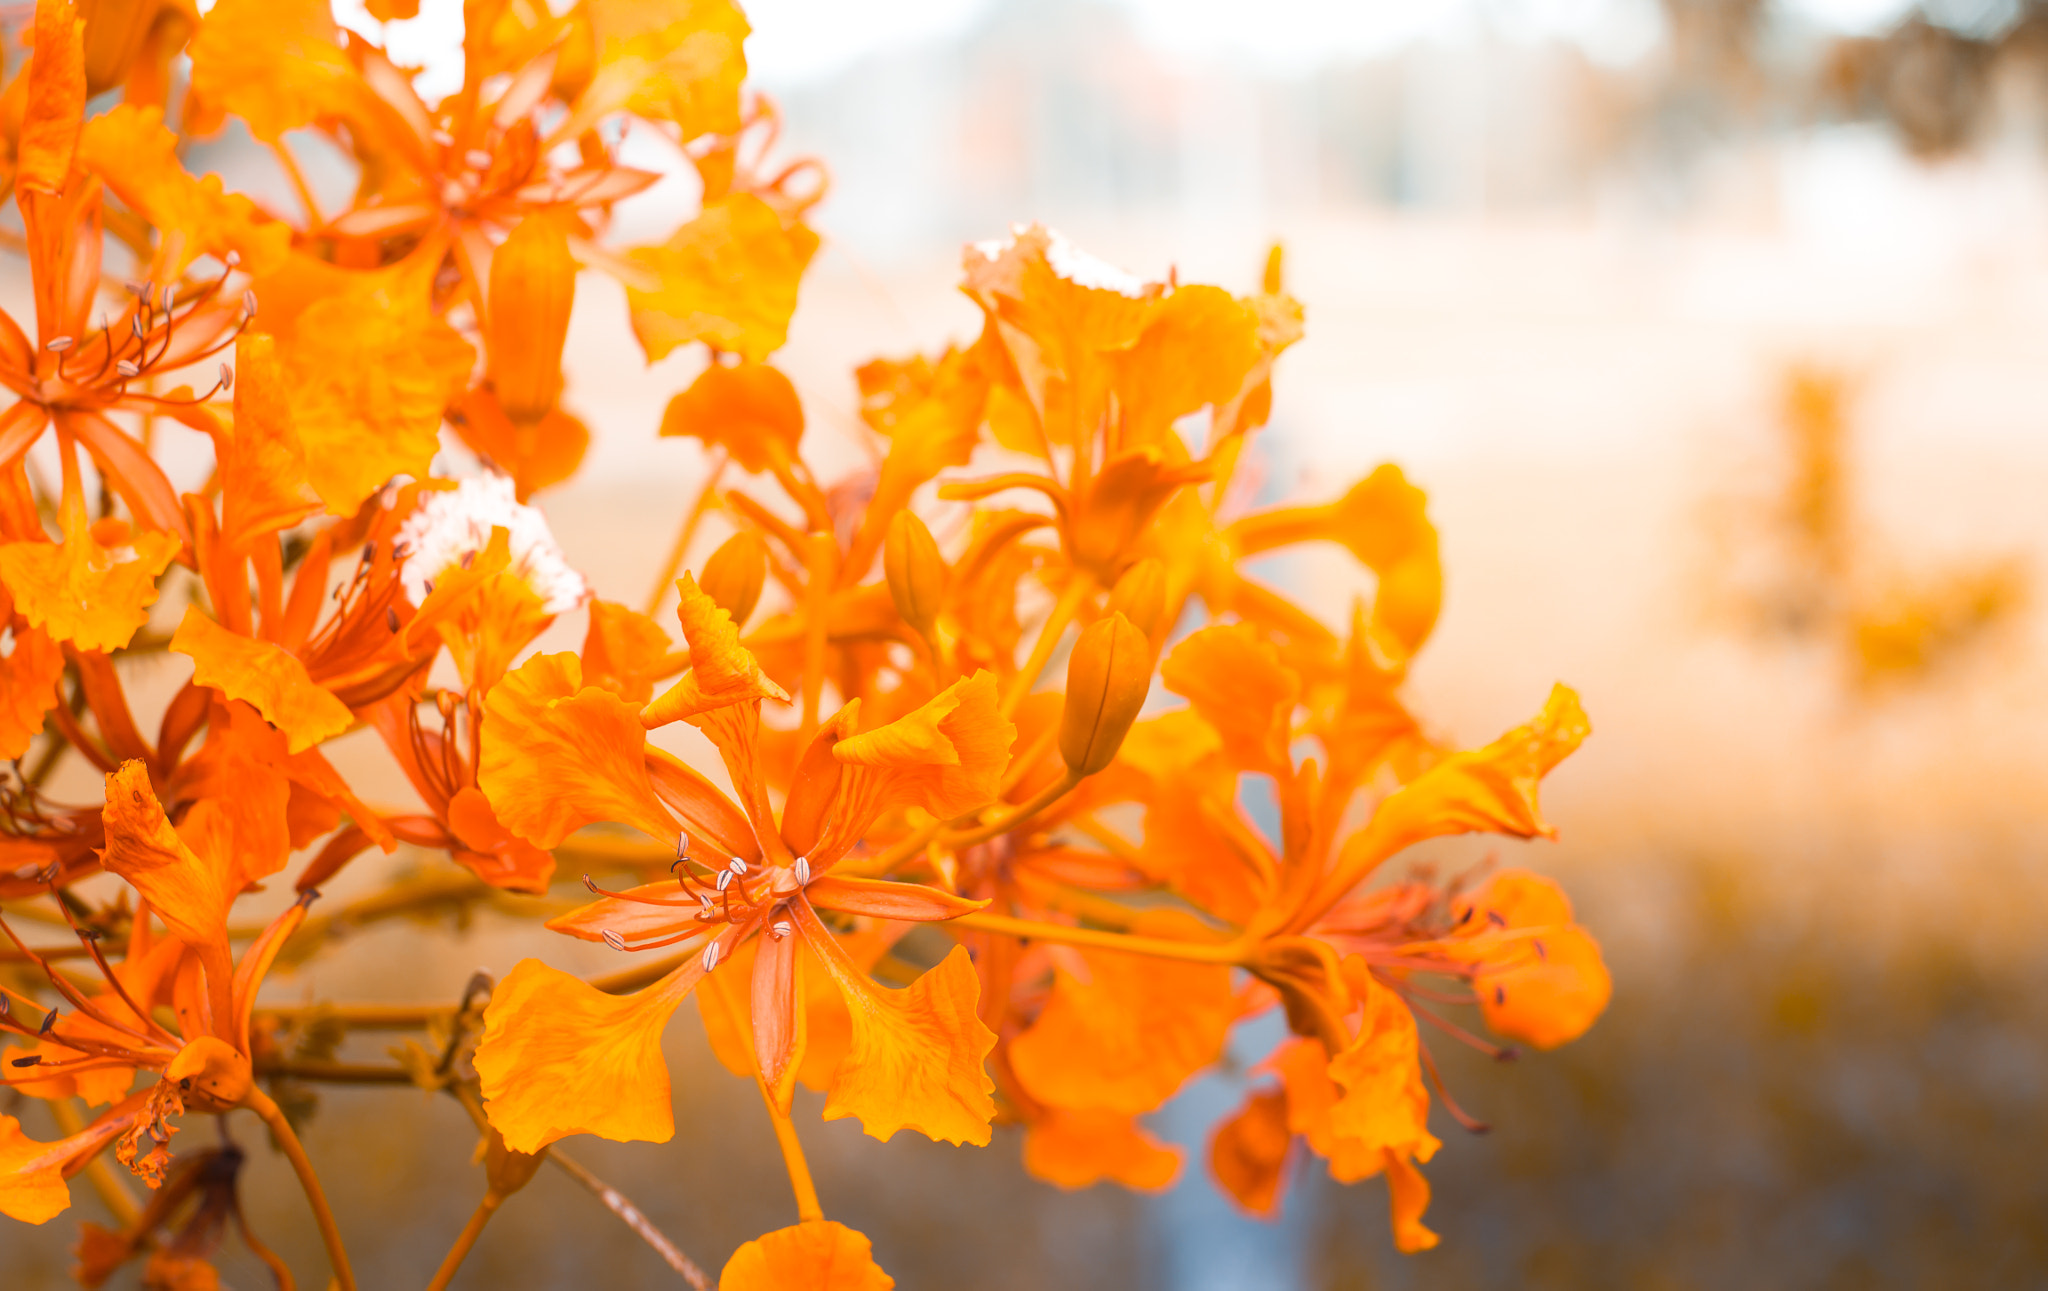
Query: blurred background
x=1717 y=331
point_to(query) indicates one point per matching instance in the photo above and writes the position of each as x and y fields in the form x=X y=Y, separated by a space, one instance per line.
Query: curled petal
x=1248 y=1152
x=722 y=671
x=28 y=689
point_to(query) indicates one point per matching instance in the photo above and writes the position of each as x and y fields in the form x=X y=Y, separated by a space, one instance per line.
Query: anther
x=58 y=344
x=429 y=586
x=1500 y=995
x=803 y=871
x=231 y=259
x=682 y=845
x=781 y=929
x=170 y=298
x=1495 y=918
x=477 y=157
x=613 y=939
x=468 y=559
x=48 y=1022
x=249 y=301
x=590 y=883
x=724 y=880
x=32 y=1060
x=738 y=866
x=369 y=551
x=711 y=957
x=703 y=899
x=227 y=377
x=128 y=368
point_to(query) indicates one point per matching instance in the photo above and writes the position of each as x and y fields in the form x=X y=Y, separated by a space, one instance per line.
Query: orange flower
x=188 y=876
x=913 y=1057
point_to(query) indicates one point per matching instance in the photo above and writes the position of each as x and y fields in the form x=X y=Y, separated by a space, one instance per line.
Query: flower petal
x=722 y=671
x=1238 y=685
x=265 y=676
x=817 y=1256
x=1127 y=1035
x=79 y=591
x=189 y=892
x=56 y=98
x=947 y=757
x=560 y=1057
x=1076 y=1149
x=728 y=277
x=915 y=1061
x=883 y=899
x=28 y=688
x=1248 y=1152
x=136 y=155
x=558 y=755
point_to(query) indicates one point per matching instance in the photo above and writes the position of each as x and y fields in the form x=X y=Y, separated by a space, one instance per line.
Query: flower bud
x=533 y=288
x=733 y=576
x=1140 y=596
x=916 y=571
x=1108 y=677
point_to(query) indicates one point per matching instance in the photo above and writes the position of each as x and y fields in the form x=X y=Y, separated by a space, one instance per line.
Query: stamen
x=724 y=880
x=128 y=368
x=33 y=1060
x=231 y=259
x=369 y=551
x=1495 y=918
x=711 y=957
x=227 y=377
x=48 y=1022
x=703 y=899
x=170 y=298
x=803 y=871
x=249 y=301
x=613 y=939
x=468 y=559
x=781 y=929
x=589 y=882
x=391 y=618
x=738 y=866
x=58 y=344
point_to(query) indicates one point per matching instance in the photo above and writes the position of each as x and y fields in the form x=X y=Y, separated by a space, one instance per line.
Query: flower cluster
x=992 y=714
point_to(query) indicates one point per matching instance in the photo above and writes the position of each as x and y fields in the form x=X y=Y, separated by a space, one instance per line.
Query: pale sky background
x=796 y=41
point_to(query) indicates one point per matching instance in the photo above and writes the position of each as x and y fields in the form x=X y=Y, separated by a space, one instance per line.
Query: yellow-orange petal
x=135 y=154
x=532 y=290
x=56 y=98
x=946 y=757
x=28 y=689
x=750 y=410
x=1123 y=1032
x=276 y=64
x=372 y=369
x=189 y=892
x=558 y=755
x=560 y=1057
x=262 y=465
x=623 y=651
x=1384 y=1105
x=263 y=675
x=1080 y=1148
x=1407 y=1198
x=915 y=1061
x=32 y=1187
x=1248 y=1152
x=728 y=277
x=95 y=596
x=817 y=1256
x=1556 y=988
x=1492 y=789
x=1238 y=685
x=722 y=671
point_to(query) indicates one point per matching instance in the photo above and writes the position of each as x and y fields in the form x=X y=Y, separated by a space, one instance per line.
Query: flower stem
x=465 y=1240
x=807 y=1208
x=264 y=1106
x=1079 y=588
x=1014 y=816
x=1157 y=947
x=705 y=497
